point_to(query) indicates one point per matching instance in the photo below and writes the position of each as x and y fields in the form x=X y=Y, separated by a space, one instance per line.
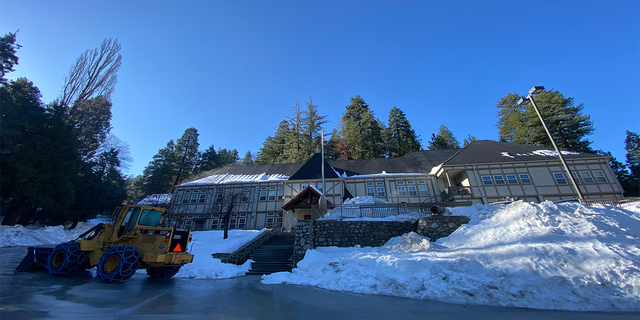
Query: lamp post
x=536 y=90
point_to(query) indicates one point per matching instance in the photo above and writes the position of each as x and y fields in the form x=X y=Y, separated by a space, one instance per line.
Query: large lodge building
x=278 y=195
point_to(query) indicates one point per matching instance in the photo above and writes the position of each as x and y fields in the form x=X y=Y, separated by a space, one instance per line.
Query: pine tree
x=294 y=150
x=312 y=129
x=632 y=145
x=443 y=140
x=361 y=131
x=566 y=122
x=273 y=147
x=208 y=160
x=159 y=175
x=187 y=154
x=468 y=140
x=248 y=160
x=8 y=58
x=399 y=136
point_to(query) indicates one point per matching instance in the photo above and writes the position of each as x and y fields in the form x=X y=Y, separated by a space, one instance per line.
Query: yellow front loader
x=136 y=241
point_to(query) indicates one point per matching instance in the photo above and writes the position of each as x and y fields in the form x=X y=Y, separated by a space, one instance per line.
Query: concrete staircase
x=274 y=255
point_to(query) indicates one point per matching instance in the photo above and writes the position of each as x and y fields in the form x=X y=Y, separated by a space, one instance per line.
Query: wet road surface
x=37 y=295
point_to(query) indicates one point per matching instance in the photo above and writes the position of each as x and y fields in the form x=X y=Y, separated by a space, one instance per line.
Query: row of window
x=587 y=177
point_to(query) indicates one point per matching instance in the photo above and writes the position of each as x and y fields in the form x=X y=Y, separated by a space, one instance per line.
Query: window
x=219 y=195
x=272 y=195
x=380 y=183
x=272 y=188
x=575 y=176
x=185 y=198
x=411 y=182
x=320 y=186
x=245 y=195
x=269 y=222
x=280 y=187
x=369 y=183
x=263 y=195
x=271 y=214
x=243 y=214
x=599 y=176
x=586 y=177
x=413 y=191
x=402 y=191
x=194 y=198
x=422 y=182
x=215 y=224
x=499 y=179
x=232 y=223
x=196 y=191
x=242 y=222
x=511 y=179
x=423 y=191
x=280 y=194
x=304 y=185
x=381 y=192
x=560 y=179
x=150 y=218
x=246 y=189
x=399 y=182
x=486 y=180
x=203 y=198
x=187 y=191
x=264 y=188
x=370 y=192
x=524 y=178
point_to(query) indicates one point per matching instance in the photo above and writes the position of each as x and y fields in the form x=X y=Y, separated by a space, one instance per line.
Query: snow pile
x=31 y=236
x=545 y=256
x=205 y=243
x=350 y=211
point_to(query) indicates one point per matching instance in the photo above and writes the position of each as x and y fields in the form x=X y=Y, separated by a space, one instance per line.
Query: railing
x=612 y=201
x=385 y=210
x=449 y=194
x=240 y=255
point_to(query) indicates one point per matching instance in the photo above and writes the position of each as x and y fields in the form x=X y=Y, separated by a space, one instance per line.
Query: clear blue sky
x=233 y=69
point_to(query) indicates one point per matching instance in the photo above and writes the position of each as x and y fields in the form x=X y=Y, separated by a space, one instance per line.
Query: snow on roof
x=156 y=199
x=383 y=174
x=236 y=178
x=544 y=153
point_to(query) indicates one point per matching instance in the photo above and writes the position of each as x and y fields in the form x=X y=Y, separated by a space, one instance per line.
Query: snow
x=236 y=178
x=156 y=199
x=350 y=211
x=544 y=256
x=561 y=256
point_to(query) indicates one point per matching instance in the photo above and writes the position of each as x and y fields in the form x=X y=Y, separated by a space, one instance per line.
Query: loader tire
x=118 y=264
x=162 y=272
x=65 y=259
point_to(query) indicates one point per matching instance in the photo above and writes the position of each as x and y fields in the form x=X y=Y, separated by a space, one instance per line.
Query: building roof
x=487 y=151
x=312 y=169
x=414 y=162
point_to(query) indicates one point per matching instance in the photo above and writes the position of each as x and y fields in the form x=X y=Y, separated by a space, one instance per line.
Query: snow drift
x=545 y=256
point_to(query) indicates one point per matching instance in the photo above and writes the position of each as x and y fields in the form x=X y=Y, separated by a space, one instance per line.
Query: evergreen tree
x=92 y=120
x=468 y=140
x=38 y=170
x=228 y=157
x=361 y=131
x=8 y=58
x=632 y=145
x=336 y=148
x=294 y=150
x=399 y=136
x=312 y=130
x=273 y=147
x=248 y=160
x=159 y=175
x=187 y=154
x=566 y=122
x=208 y=160
x=443 y=140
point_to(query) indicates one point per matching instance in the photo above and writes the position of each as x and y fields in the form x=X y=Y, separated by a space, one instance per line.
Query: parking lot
x=40 y=296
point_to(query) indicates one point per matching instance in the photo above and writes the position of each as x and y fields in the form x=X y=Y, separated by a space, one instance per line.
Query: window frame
x=414 y=192
x=423 y=191
x=486 y=182
x=598 y=178
x=381 y=192
x=559 y=176
x=525 y=178
x=371 y=191
x=513 y=180
x=402 y=191
x=499 y=180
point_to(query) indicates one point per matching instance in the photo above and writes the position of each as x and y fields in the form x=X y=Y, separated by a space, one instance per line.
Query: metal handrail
x=240 y=255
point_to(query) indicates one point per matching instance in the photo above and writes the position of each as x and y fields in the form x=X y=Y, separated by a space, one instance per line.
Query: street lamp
x=523 y=101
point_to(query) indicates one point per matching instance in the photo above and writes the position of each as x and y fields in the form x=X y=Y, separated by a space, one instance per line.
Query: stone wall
x=325 y=233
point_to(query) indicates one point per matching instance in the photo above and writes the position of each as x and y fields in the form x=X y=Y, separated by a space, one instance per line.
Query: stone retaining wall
x=325 y=233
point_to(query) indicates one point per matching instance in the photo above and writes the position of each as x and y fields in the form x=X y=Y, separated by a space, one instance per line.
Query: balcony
x=456 y=193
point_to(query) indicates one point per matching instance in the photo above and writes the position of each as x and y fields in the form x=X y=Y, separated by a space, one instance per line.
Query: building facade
x=482 y=172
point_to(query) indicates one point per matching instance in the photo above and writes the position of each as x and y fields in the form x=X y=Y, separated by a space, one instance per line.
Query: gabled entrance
x=303 y=207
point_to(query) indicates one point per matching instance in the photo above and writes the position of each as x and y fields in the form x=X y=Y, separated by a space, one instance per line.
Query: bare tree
x=227 y=202
x=95 y=73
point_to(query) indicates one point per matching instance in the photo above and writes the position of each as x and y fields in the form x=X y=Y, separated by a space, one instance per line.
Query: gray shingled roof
x=487 y=151
x=415 y=162
x=287 y=169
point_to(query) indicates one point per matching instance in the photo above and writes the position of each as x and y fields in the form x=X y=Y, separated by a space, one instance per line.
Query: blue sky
x=234 y=69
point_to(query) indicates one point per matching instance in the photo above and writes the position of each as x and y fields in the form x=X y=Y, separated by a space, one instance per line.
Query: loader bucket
x=36 y=259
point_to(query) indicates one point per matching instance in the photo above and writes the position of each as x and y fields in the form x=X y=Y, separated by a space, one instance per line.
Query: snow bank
x=544 y=256
x=350 y=211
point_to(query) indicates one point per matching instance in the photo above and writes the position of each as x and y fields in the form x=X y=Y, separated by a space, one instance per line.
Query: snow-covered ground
x=544 y=256
x=562 y=256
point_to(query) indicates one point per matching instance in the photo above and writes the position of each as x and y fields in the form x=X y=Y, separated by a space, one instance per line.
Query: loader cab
x=135 y=216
